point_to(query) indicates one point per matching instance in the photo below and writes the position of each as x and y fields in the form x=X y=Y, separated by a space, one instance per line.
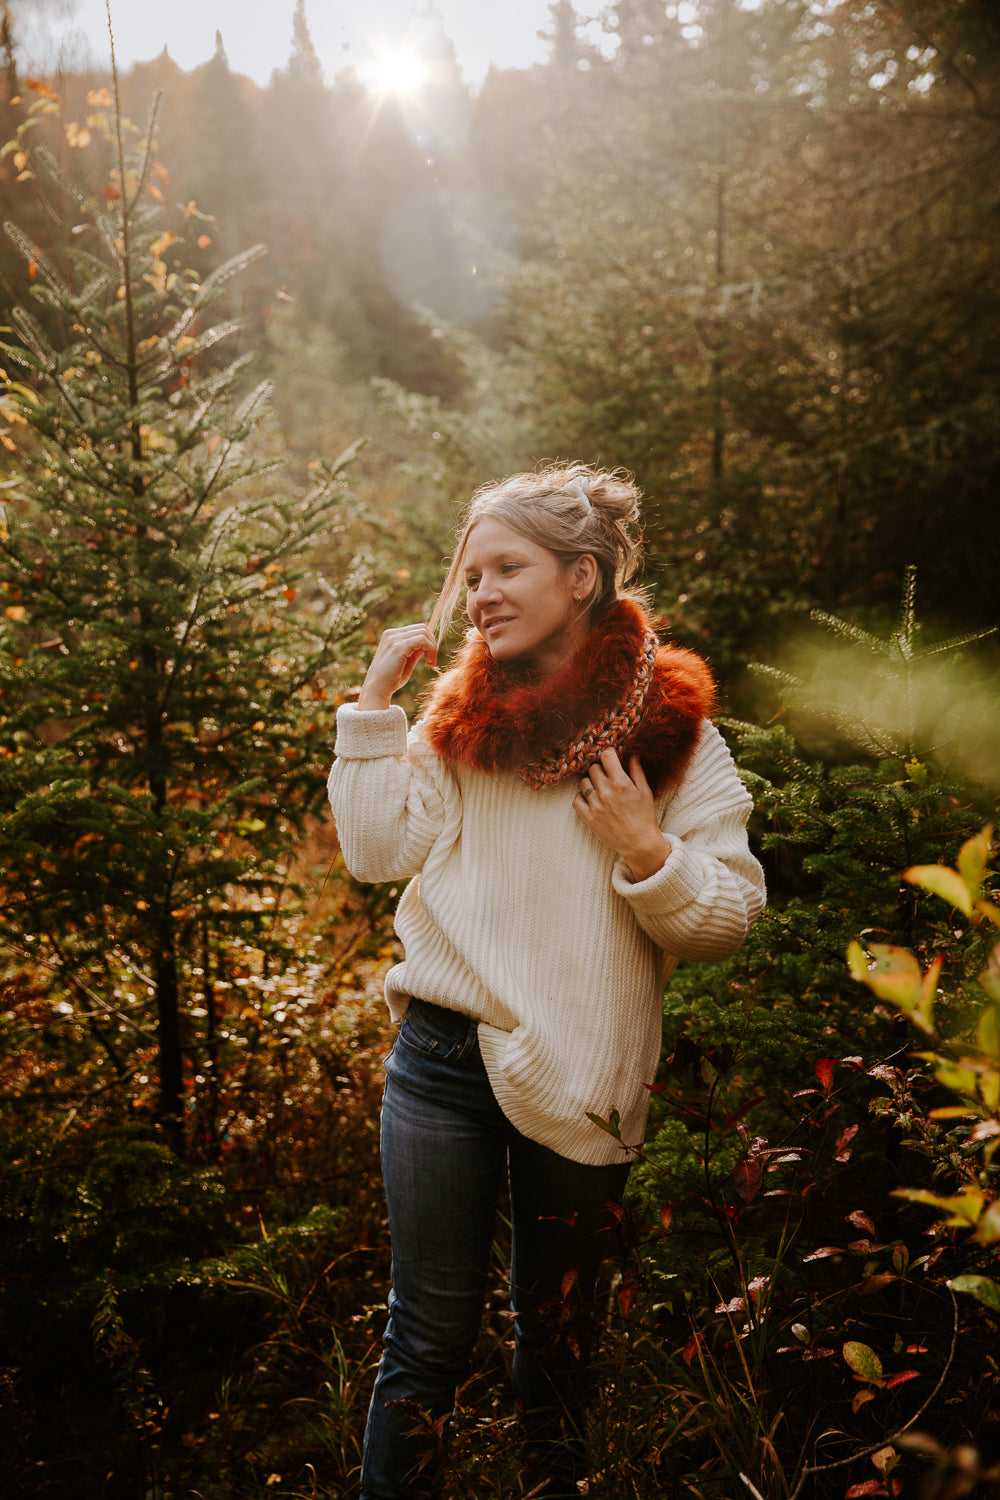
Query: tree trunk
x=168 y=1032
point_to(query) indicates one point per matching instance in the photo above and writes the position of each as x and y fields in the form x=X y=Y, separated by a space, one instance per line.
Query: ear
x=584 y=572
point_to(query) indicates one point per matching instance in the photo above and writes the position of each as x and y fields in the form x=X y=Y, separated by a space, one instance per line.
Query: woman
x=573 y=825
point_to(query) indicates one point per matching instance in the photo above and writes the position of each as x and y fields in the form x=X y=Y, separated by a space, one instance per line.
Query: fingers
x=618 y=807
x=607 y=784
x=608 y=772
x=396 y=655
x=638 y=775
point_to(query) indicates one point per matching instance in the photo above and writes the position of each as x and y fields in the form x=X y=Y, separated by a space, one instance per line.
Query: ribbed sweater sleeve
x=701 y=903
x=387 y=807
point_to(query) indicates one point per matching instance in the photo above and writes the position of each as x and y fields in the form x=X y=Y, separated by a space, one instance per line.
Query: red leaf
x=691 y=1347
x=569 y=1282
x=861 y=1220
x=626 y=1298
x=747 y=1177
x=876 y=1283
x=903 y=1375
x=824 y=1072
x=868 y=1487
x=842 y=1151
x=823 y=1254
x=666 y=1216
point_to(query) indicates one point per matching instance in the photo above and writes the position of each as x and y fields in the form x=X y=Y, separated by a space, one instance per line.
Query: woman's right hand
x=395 y=657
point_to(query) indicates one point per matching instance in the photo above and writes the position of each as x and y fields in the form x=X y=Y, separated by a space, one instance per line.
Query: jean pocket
x=432 y=1031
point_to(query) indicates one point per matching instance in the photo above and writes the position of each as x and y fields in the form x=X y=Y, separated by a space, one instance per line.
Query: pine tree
x=565 y=49
x=303 y=65
x=163 y=723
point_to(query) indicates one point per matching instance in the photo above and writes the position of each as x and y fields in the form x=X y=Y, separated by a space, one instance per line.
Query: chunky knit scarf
x=611 y=731
x=621 y=691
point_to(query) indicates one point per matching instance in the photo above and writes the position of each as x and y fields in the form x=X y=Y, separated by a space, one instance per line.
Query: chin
x=502 y=652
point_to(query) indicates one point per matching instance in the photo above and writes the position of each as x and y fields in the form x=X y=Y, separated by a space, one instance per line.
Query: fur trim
x=490 y=717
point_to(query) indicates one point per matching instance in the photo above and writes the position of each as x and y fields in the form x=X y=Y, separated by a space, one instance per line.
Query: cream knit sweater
x=519 y=916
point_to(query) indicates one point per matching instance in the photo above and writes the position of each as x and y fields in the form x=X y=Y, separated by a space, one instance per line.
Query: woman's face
x=525 y=604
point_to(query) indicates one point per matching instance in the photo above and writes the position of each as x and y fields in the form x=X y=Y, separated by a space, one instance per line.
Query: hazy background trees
x=749 y=253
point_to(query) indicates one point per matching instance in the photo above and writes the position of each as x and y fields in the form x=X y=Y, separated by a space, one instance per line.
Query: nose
x=488 y=590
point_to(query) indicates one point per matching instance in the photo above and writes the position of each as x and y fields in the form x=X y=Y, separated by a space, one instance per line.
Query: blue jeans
x=445 y=1143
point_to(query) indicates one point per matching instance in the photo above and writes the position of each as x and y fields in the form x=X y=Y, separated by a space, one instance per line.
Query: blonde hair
x=568 y=509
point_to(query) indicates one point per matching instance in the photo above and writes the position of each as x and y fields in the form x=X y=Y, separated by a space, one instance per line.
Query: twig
x=841 y=1463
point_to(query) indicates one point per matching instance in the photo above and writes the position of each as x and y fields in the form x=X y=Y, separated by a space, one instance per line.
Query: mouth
x=488 y=626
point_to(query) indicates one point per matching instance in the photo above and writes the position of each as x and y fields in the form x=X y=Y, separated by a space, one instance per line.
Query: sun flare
x=401 y=71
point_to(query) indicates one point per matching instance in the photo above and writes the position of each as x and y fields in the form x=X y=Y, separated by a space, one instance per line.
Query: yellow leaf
x=988 y=1032
x=894 y=974
x=38 y=87
x=973 y=858
x=959 y=1080
x=963 y=1209
x=15 y=611
x=100 y=99
x=166 y=239
x=942 y=881
x=988 y=1228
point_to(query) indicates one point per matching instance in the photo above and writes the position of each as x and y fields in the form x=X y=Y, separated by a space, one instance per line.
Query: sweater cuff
x=370 y=734
x=676 y=884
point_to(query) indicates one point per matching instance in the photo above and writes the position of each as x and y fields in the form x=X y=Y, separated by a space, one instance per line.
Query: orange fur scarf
x=489 y=717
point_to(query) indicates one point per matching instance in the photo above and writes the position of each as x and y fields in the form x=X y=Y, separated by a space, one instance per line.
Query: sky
x=257 y=33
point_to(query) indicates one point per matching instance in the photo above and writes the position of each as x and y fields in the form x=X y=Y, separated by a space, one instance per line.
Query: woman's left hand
x=617 y=805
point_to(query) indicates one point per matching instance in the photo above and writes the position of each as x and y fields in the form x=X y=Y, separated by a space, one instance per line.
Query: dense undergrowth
x=781 y=1324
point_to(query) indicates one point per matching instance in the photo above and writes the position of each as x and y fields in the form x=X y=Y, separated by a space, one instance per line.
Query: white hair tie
x=576 y=488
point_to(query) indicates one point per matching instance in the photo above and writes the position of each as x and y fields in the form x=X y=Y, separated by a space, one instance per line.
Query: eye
x=472 y=582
